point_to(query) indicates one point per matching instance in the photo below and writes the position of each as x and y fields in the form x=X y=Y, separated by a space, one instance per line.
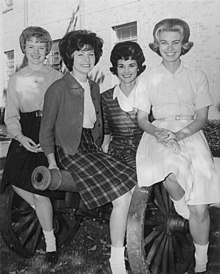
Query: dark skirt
x=20 y=163
x=100 y=177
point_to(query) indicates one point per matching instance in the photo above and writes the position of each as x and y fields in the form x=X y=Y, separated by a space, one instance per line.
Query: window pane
x=126 y=31
x=9 y=3
x=54 y=58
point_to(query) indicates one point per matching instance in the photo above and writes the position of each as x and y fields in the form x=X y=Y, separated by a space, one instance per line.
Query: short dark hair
x=75 y=41
x=41 y=35
x=126 y=50
x=172 y=24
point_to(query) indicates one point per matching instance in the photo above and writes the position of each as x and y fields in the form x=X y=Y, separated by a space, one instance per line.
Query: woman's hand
x=29 y=144
x=52 y=161
x=162 y=134
x=167 y=138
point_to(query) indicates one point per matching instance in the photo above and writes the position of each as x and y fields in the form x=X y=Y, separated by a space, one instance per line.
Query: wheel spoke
x=23 y=223
x=154 y=248
x=151 y=236
x=159 y=256
x=159 y=199
x=36 y=238
x=165 y=258
x=172 y=267
x=29 y=232
x=165 y=198
x=183 y=237
x=177 y=250
x=154 y=218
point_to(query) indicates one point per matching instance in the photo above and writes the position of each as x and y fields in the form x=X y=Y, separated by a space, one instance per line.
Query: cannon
x=158 y=240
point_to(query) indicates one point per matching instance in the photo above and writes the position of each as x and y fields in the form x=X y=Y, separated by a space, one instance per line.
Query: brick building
x=114 y=20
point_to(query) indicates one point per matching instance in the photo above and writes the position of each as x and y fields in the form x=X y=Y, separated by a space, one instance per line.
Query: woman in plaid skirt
x=72 y=129
x=121 y=131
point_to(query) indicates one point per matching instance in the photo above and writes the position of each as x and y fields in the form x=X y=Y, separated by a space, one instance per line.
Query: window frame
x=122 y=27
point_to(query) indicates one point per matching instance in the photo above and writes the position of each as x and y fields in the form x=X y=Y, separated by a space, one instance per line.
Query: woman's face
x=83 y=62
x=170 y=46
x=127 y=70
x=35 y=51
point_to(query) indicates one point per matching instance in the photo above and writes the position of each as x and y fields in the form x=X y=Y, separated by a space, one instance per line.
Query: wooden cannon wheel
x=21 y=229
x=158 y=239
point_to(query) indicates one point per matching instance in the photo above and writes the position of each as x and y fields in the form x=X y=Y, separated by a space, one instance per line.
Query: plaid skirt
x=125 y=149
x=100 y=178
x=20 y=163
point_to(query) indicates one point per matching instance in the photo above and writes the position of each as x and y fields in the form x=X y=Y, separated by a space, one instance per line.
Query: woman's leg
x=118 y=225
x=199 y=224
x=27 y=196
x=44 y=211
x=177 y=195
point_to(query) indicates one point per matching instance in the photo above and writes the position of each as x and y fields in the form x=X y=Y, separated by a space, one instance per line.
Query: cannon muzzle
x=54 y=179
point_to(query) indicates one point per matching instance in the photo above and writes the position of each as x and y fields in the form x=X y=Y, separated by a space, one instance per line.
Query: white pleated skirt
x=193 y=166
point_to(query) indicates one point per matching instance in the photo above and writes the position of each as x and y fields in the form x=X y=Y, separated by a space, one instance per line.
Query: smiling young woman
x=173 y=148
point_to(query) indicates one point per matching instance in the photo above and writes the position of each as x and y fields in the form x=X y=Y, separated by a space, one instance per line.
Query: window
x=8 y=5
x=54 y=58
x=126 y=32
x=10 y=63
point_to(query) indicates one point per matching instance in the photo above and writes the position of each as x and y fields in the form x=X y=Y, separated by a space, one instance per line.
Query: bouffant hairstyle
x=172 y=24
x=39 y=33
x=77 y=40
x=127 y=50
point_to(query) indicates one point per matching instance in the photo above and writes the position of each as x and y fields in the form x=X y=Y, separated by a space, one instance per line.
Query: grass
x=90 y=247
x=84 y=254
x=212 y=133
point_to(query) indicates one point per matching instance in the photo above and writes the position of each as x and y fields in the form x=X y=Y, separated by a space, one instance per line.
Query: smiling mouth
x=170 y=53
x=35 y=56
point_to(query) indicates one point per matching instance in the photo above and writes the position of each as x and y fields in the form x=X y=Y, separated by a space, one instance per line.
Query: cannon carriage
x=158 y=240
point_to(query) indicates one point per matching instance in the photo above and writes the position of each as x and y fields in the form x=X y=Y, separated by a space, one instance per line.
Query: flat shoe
x=51 y=257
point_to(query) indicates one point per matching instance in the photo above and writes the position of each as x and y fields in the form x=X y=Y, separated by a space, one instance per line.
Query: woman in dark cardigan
x=72 y=129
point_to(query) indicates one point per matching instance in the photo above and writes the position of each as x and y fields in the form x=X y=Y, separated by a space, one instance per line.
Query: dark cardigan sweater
x=62 y=119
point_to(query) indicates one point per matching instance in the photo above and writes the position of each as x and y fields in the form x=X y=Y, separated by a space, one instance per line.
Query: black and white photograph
x=110 y=136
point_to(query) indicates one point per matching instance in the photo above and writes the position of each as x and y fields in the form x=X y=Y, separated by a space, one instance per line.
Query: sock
x=201 y=257
x=117 y=261
x=182 y=208
x=50 y=241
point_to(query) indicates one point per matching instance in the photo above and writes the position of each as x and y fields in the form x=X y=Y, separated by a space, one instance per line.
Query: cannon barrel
x=54 y=179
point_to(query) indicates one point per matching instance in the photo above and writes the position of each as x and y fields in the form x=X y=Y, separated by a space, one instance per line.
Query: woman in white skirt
x=173 y=148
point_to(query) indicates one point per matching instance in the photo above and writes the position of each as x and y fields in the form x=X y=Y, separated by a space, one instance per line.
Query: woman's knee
x=173 y=187
x=201 y=212
x=40 y=199
x=123 y=201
